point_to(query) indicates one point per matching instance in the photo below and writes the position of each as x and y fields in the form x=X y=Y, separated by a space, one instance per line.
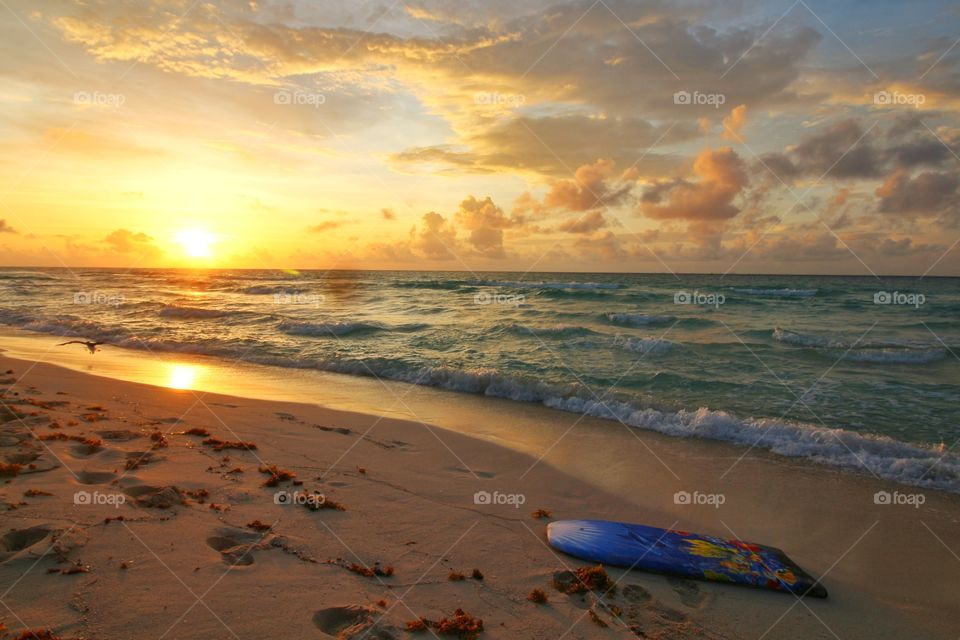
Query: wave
x=638 y=319
x=185 y=312
x=573 y=286
x=429 y=284
x=885 y=457
x=803 y=340
x=868 y=352
x=268 y=290
x=895 y=356
x=341 y=328
x=646 y=346
x=779 y=293
x=555 y=331
x=26 y=275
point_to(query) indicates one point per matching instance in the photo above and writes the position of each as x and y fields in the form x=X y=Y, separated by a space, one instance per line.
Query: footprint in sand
x=354 y=621
x=689 y=591
x=32 y=461
x=85 y=450
x=17 y=540
x=155 y=497
x=21 y=458
x=636 y=594
x=235 y=546
x=94 y=477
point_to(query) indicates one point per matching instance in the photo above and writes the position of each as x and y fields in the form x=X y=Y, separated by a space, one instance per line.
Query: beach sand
x=177 y=539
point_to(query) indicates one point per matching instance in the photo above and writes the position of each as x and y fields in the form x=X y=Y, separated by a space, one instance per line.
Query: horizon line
x=476 y=271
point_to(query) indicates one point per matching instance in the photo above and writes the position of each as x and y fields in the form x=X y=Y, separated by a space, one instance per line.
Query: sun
x=196 y=243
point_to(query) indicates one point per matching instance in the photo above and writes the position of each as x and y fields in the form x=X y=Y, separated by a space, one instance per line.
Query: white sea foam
x=862 y=351
x=340 y=327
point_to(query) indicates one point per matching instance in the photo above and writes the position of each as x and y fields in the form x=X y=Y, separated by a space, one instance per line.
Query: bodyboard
x=681 y=553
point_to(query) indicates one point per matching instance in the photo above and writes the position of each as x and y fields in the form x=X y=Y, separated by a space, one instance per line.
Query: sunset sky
x=804 y=137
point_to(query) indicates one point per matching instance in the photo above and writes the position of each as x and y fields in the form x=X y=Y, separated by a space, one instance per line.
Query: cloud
x=593 y=185
x=138 y=245
x=587 y=223
x=721 y=176
x=388 y=214
x=485 y=221
x=437 y=238
x=325 y=226
x=733 y=123
x=905 y=247
x=928 y=193
x=6 y=228
x=126 y=241
x=840 y=150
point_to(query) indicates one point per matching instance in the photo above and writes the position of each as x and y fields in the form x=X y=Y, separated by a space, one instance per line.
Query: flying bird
x=92 y=346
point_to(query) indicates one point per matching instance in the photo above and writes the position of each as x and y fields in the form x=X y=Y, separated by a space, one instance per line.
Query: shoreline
x=900 y=462
x=885 y=563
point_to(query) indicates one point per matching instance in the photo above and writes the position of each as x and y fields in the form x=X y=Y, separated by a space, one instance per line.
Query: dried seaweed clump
x=461 y=624
x=276 y=474
x=159 y=439
x=256 y=525
x=541 y=513
x=369 y=572
x=30 y=634
x=596 y=619
x=220 y=445
x=9 y=470
x=583 y=580
x=538 y=596
x=197 y=431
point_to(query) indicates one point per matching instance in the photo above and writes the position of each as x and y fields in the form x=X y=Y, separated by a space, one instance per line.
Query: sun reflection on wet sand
x=183 y=376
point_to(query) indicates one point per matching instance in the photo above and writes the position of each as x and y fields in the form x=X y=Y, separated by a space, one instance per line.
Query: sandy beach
x=138 y=511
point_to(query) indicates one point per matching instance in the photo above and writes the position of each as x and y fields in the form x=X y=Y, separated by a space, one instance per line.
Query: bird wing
x=71 y=342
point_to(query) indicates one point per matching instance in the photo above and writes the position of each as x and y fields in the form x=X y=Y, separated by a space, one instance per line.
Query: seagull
x=92 y=346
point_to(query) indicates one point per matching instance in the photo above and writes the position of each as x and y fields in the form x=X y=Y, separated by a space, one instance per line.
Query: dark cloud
x=6 y=228
x=840 y=150
x=926 y=194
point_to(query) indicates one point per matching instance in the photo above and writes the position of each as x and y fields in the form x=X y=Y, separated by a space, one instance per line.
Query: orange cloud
x=733 y=123
x=722 y=175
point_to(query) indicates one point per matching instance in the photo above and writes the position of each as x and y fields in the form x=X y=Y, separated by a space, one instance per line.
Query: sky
x=597 y=135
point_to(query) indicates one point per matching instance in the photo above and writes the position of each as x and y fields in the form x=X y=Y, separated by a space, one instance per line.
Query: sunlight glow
x=182 y=376
x=196 y=243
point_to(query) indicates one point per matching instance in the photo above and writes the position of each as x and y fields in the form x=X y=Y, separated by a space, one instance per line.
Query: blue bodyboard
x=681 y=553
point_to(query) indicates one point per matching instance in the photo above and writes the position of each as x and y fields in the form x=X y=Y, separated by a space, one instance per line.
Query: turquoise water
x=828 y=368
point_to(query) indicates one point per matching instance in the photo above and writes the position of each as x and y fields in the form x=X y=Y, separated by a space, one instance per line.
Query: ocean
x=855 y=372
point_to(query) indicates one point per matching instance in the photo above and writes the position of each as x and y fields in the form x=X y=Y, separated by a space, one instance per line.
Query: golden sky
x=599 y=135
